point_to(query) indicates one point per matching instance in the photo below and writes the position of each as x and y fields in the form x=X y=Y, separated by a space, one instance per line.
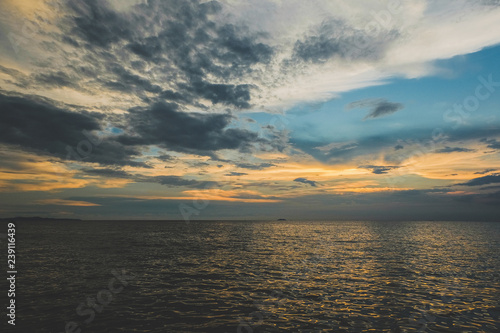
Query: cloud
x=446 y=150
x=95 y=23
x=64 y=202
x=337 y=38
x=180 y=181
x=165 y=157
x=491 y=179
x=305 y=181
x=232 y=173
x=106 y=172
x=57 y=79
x=174 y=181
x=21 y=80
x=241 y=55
x=254 y=166
x=230 y=94
x=165 y=125
x=200 y=55
x=36 y=123
x=415 y=141
x=377 y=107
x=491 y=143
x=378 y=169
x=335 y=148
x=484 y=172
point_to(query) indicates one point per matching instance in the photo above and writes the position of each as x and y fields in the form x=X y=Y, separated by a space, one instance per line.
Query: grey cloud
x=343 y=151
x=175 y=181
x=491 y=143
x=305 y=181
x=170 y=54
x=335 y=38
x=453 y=150
x=165 y=125
x=107 y=172
x=180 y=181
x=11 y=71
x=236 y=95
x=491 y=179
x=129 y=82
x=337 y=148
x=57 y=79
x=484 y=172
x=36 y=123
x=232 y=173
x=415 y=141
x=199 y=164
x=398 y=147
x=97 y=24
x=188 y=48
x=165 y=157
x=21 y=80
x=378 y=107
x=378 y=169
x=254 y=166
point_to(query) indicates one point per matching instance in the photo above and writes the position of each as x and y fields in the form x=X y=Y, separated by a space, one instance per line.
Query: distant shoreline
x=36 y=218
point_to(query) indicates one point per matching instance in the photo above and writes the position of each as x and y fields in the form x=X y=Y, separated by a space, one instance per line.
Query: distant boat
x=281 y=220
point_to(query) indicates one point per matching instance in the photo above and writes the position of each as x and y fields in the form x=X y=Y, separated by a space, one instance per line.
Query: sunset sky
x=250 y=109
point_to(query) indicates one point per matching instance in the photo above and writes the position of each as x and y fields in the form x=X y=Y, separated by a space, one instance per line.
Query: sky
x=263 y=109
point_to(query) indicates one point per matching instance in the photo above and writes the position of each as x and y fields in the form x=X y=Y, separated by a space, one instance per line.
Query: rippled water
x=260 y=276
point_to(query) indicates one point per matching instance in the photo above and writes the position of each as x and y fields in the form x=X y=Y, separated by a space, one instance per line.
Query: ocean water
x=251 y=276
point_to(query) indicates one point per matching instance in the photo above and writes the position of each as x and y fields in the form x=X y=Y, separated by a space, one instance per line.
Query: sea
x=256 y=276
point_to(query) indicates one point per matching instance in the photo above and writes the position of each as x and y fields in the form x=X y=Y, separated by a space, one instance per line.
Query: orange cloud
x=25 y=172
x=63 y=202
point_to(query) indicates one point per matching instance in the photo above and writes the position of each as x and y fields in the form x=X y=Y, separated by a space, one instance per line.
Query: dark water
x=259 y=276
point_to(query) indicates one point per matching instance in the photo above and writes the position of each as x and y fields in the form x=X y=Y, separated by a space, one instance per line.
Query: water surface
x=250 y=276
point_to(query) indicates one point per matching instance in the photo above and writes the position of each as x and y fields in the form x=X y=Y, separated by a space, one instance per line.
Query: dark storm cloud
x=305 y=181
x=378 y=169
x=378 y=107
x=491 y=179
x=446 y=150
x=36 y=123
x=165 y=125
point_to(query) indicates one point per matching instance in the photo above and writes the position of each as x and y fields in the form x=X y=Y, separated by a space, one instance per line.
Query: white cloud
x=414 y=35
